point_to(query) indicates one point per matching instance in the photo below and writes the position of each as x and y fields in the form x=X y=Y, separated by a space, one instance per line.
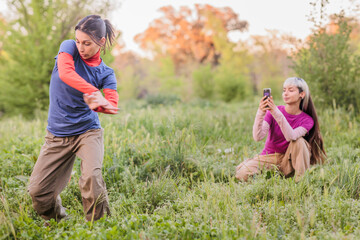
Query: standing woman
x=294 y=141
x=73 y=123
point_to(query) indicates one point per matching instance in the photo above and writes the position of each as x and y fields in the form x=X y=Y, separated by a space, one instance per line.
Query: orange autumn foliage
x=186 y=34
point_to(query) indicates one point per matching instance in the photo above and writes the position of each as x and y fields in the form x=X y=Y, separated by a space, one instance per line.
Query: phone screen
x=267 y=92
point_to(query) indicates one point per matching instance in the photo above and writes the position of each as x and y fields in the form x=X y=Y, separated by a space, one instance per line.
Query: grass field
x=169 y=171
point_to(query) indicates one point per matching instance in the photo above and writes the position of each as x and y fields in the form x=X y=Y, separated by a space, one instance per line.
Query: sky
x=287 y=16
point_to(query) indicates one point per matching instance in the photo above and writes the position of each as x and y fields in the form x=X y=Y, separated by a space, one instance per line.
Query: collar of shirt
x=94 y=60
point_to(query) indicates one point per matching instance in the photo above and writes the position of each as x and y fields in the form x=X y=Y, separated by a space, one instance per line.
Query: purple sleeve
x=268 y=118
x=307 y=123
x=287 y=130
x=68 y=46
x=110 y=81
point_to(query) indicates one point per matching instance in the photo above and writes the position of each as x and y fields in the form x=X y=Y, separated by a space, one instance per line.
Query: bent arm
x=68 y=75
x=112 y=97
x=289 y=133
x=260 y=127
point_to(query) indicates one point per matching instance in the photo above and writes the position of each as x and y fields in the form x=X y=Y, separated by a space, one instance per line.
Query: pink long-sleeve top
x=281 y=128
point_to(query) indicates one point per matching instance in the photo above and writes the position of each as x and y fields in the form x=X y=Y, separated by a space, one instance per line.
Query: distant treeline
x=190 y=53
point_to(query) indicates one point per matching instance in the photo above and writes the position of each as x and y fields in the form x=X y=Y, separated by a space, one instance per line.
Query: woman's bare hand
x=96 y=99
x=263 y=105
x=91 y=101
x=270 y=103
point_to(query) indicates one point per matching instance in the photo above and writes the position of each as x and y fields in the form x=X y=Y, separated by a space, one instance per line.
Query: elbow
x=62 y=76
x=290 y=138
x=256 y=138
x=255 y=134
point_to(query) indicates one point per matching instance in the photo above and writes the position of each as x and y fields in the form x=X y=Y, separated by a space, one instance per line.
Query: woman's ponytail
x=314 y=138
x=109 y=34
x=97 y=28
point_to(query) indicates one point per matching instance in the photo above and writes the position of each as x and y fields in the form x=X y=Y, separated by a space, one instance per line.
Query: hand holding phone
x=267 y=92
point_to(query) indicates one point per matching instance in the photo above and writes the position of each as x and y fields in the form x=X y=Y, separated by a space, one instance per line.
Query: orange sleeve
x=68 y=75
x=112 y=96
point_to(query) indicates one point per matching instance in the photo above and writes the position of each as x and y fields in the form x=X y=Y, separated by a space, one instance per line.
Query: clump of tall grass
x=169 y=172
x=162 y=99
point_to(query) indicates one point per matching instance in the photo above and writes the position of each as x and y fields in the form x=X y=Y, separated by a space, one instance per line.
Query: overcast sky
x=287 y=16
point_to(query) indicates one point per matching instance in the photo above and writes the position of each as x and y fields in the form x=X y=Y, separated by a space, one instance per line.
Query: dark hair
x=97 y=28
x=314 y=138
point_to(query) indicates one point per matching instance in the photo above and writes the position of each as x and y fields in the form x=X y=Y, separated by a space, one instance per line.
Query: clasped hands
x=96 y=99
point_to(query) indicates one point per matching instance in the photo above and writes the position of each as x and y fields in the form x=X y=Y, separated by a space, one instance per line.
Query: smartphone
x=267 y=92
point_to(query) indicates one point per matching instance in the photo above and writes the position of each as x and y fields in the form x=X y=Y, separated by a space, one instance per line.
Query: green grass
x=169 y=170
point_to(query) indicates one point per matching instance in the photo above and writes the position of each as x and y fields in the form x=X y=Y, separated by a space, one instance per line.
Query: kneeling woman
x=294 y=141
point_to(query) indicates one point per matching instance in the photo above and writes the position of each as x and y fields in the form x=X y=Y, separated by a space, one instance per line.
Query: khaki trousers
x=53 y=169
x=296 y=160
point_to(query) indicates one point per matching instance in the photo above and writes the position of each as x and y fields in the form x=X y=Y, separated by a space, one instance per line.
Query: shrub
x=31 y=39
x=331 y=67
x=230 y=85
x=203 y=82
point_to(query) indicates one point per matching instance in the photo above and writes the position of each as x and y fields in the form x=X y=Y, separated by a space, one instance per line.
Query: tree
x=330 y=65
x=187 y=35
x=270 y=64
x=231 y=75
x=195 y=39
x=32 y=39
